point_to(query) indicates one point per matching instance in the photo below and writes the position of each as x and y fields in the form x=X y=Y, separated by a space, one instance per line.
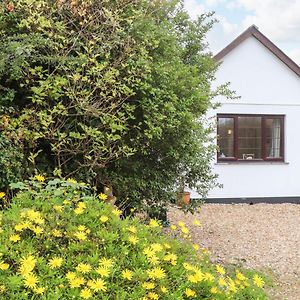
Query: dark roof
x=253 y=31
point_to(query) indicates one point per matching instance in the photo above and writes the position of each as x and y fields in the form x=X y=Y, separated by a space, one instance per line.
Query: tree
x=112 y=92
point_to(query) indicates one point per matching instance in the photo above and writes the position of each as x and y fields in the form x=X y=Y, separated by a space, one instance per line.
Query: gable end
x=253 y=31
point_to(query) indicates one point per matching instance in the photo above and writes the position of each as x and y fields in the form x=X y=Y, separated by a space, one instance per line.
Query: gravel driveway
x=261 y=236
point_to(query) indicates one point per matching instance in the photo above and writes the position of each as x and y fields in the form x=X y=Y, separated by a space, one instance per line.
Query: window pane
x=249 y=138
x=273 y=129
x=225 y=138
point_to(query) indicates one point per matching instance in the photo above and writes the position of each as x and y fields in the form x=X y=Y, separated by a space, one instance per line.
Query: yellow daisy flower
x=86 y=293
x=30 y=281
x=127 y=274
x=15 y=238
x=103 y=219
x=83 y=268
x=55 y=262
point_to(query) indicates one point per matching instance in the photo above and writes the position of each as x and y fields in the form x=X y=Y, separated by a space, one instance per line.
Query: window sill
x=252 y=163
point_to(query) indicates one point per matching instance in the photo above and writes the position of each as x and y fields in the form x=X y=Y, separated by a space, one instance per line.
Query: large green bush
x=110 y=92
x=58 y=241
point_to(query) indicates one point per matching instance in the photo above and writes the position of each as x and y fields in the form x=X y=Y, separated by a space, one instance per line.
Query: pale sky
x=279 y=20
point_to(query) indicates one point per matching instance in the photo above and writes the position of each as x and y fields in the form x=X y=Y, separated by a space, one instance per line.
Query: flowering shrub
x=59 y=241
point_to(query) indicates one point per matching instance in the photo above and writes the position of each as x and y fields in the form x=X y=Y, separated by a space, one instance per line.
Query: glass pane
x=249 y=138
x=225 y=138
x=273 y=129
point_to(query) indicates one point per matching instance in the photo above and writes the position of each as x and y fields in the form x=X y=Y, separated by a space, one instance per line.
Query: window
x=250 y=137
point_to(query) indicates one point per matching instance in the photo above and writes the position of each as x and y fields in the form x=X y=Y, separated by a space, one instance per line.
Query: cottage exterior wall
x=266 y=86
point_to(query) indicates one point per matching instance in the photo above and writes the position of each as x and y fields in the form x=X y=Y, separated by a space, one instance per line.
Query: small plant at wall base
x=59 y=241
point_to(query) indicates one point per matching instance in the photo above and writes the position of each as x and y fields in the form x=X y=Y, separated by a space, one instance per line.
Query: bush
x=11 y=162
x=112 y=92
x=59 y=241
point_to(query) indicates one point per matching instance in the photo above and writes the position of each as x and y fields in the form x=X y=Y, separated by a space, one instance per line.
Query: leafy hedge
x=59 y=241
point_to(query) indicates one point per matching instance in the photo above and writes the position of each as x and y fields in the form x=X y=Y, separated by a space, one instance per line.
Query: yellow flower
x=30 y=281
x=14 y=238
x=192 y=279
x=222 y=282
x=97 y=285
x=157 y=247
x=163 y=289
x=173 y=227
x=103 y=219
x=258 y=281
x=172 y=258
x=214 y=290
x=209 y=277
x=102 y=196
x=76 y=282
x=156 y=273
x=83 y=268
x=184 y=230
x=103 y=272
x=220 y=269
x=153 y=259
x=71 y=180
x=81 y=228
x=58 y=208
x=240 y=276
x=181 y=224
x=80 y=235
x=66 y=202
x=231 y=286
x=188 y=266
x=55 y=262
x=132 y=229
x=2 y=288
x=34 y=216
x=56 y=233
x=39 y=178
x=106 y=262
x=39 y=290
x=196 y=246
x=19 y=227
x=37 y=230
x=148 y=285
x=133 y=239
x=167 y=246
x=81 y=205
x=154 y=223
x=127 y=274
x=3 y=266
x=190 y=293
x=2 y=195
x=78 y=211
x=116 y=212
x=197 y=223
x=86 y=293
x=153 y=296
x=70 y=275
x=27 y=265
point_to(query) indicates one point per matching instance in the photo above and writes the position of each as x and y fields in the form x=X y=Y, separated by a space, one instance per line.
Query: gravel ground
x=261 y=236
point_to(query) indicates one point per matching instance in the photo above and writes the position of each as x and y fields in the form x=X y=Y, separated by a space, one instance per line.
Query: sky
x=279 y=20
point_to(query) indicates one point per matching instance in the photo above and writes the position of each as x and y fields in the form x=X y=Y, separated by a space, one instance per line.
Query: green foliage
x=110 y=92
x=59 y=241
x=11 y=159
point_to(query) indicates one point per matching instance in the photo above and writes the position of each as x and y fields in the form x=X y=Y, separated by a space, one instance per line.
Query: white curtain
x=275 y=138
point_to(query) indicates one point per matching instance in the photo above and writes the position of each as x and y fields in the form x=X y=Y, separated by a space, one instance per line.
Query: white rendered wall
x=266 y=86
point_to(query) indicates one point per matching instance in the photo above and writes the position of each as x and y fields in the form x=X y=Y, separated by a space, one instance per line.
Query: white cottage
x=258 y=134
